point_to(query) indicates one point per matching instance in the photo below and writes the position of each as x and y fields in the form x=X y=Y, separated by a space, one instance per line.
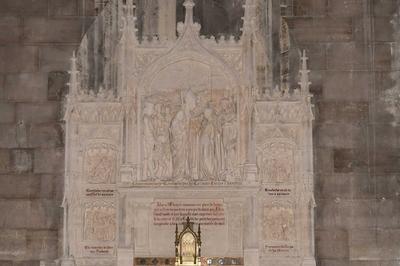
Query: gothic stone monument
x=163 y=129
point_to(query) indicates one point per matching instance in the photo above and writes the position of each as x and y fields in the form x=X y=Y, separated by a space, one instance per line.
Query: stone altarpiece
x=164 y=128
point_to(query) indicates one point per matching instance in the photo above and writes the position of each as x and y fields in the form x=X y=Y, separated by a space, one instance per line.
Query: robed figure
x=211 y=150
x=185 y=138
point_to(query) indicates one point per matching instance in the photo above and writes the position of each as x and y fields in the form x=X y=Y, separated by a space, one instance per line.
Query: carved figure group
x=100 y=223
x=276 y=163
x=193 y=142
x=157 y=155
x=100 y=165
x=278 y=223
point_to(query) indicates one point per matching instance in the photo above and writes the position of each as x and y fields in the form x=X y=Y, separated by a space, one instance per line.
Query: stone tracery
x=185 y=119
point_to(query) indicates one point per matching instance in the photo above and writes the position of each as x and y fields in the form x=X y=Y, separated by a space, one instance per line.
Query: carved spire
x=249 y=17
x=304 y=74
x=189 y=27
x=189 y=5
x=129 y=12
x=74 y=76
x=129 y=8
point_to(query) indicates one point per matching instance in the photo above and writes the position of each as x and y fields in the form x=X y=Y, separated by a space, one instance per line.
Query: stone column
x=167 y=19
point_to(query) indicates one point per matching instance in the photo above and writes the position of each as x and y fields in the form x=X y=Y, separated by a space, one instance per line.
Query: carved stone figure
x=229 y=133
x=184 y=133
x=211 y=157
x=100 y=223
x=100 y=164
x=278 y=223
x=276 y=163
x=149 y=141
x=162 y=152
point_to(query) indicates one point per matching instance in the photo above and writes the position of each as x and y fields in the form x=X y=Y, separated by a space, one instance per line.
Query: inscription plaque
x=204 y=212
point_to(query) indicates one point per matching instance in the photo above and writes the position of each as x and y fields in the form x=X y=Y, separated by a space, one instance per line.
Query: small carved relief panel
x=278 y=223
x=100 y=164
x=100 y=223
x=275 y=162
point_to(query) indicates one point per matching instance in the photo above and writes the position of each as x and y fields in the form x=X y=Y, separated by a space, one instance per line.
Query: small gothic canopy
x=187 y=244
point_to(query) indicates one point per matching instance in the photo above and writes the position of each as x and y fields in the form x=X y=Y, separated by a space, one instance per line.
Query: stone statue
x=278 y=223
x=162 y=152
x=229 y=133
x=184 y=137
x=149 y=141
x=211 y=155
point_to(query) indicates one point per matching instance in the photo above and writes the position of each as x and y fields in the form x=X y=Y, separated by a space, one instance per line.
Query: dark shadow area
x=217 y=17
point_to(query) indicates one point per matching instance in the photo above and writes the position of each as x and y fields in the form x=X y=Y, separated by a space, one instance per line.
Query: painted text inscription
x=205 y=212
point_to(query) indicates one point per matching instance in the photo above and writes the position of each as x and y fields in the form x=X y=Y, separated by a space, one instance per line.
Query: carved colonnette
x=179 y=128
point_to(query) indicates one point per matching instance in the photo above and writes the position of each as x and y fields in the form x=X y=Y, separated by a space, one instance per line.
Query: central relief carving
x=190 y=135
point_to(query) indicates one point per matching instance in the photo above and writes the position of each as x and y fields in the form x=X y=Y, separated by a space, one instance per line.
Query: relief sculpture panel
x=275 y=162
x=100 y=164
x=278 y=223
x=100 y=223
x=189 y=135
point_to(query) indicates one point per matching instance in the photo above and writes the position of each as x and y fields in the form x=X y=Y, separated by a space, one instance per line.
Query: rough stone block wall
x=357 y=151
x=36 y=41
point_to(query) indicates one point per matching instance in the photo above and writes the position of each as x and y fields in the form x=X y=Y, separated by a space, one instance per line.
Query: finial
x=73 y=80
x=249 y=17
x=304 y=60
x=130 y=8
x=189 y=4
x=304 y=74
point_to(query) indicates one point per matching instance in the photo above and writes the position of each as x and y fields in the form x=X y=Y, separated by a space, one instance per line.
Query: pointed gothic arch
x=178 y=150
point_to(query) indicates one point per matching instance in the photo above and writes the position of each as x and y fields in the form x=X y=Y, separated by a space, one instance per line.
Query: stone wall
x=36 y=41
x=357 y=162
x=357 y=151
